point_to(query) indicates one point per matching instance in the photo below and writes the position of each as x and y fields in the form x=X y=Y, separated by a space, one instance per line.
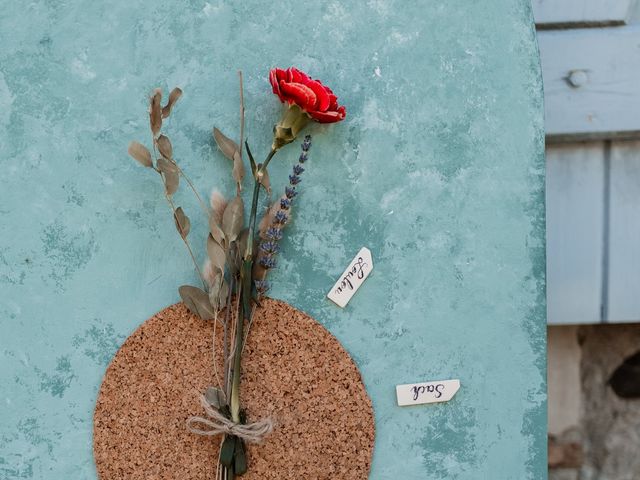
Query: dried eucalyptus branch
x=183 y=234
x=167 y=168
x=165 y=165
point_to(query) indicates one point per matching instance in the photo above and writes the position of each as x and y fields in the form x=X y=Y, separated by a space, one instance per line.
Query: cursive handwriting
x=357 y=270
x=419 y=390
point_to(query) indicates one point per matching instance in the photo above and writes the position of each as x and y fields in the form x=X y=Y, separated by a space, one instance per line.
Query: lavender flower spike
x=268 y=247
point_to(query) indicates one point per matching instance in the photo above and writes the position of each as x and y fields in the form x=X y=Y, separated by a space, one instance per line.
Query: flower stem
x=173 y=209
x=245 y=283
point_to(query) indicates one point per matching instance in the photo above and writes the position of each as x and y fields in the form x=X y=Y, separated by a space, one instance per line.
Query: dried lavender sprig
x=268 y=247
x=262 y=286
x=306 y=144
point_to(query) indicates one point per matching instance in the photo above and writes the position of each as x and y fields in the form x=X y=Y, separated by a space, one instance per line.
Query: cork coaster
x=294 y=371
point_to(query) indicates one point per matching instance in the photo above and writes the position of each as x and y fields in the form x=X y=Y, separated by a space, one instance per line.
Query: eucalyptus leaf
x=232 y=259
x=164 y=146
x=226 y=145
x=171 y=182
x=155 y=112
x=224 y=293
x=165 y=165
x=183 y=224
x=233 y=218
x=239 y=458
x=215 y=397
x=215 y=290
x=197 y=301
x=140 y=153
x=216 y=231
x=241 y=245
x=175 y=94
x=227 y=450
x=216 y=253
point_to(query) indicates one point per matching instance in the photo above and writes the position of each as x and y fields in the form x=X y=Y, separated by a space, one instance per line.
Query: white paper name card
x=428 y=392
x=352 y=278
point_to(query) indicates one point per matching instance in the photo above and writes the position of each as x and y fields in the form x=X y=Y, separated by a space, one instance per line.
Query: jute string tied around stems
x=216 y=423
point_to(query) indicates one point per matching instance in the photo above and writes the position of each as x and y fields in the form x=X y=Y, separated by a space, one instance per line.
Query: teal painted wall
x=438 y=169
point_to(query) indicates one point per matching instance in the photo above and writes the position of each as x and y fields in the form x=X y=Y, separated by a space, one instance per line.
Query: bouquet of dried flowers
x=240 y=255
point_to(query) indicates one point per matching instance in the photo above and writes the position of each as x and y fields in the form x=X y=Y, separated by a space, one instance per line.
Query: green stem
x=245 y=282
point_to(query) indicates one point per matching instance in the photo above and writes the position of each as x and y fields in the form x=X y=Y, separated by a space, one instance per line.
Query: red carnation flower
x=316 y=99
x=304 y=99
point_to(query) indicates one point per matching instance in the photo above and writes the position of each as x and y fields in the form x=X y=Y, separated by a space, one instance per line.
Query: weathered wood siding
x=593 y=232
x=590 y=53
x=592 y=78
x=553 y=13
x=575 y=216
x=624 y=233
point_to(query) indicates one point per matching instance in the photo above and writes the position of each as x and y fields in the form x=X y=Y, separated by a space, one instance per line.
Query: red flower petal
x=333 y=102
x=299 y=94
x=321 y=94
x=329 y=117
x=273 y=79
x=296 y=76
x=281 y=74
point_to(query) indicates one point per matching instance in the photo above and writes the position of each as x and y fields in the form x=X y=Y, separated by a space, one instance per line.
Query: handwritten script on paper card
x=428 y=392
x=352 y=278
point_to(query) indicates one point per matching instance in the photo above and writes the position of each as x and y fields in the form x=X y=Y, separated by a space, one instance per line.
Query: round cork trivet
x=293 y=371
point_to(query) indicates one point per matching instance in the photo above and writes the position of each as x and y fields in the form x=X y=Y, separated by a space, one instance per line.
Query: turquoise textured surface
x=438 y=169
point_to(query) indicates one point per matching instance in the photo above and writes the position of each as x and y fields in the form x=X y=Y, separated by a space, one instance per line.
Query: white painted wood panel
x=580 y=11
x=624 y=233
x=575 y=213
x=592 y=82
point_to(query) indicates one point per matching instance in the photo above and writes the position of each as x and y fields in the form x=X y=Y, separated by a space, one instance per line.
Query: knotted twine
x=217 y=423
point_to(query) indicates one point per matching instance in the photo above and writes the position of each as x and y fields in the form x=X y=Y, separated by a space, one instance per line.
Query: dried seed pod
x=171 y=182
x=183 y=224
x=165 y=165
x=155 y=112
x=164 y=146
x=140 y=153
x=175 y=94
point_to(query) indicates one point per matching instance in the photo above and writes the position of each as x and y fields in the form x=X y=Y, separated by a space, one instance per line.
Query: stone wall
x=602 y=440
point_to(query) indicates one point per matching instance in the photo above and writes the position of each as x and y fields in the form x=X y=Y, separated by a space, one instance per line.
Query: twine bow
x=217 y=423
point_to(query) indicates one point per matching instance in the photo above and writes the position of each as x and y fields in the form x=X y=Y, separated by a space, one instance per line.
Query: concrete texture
x=588 y=412
x=438 y=169
x=611 y=425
